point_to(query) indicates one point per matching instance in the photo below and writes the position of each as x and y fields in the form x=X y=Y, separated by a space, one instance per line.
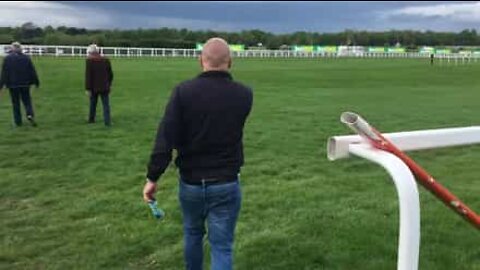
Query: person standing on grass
x=18 y=74
x=204 y=122
x=98 y=80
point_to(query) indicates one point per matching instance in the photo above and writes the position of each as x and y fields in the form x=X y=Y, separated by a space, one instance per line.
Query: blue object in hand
x=157 y=212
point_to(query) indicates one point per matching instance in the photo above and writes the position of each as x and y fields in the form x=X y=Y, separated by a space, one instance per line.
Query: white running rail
x=81 y=51
x=409 y=238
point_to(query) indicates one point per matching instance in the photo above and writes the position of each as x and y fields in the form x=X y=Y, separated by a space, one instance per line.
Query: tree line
x=29 y=33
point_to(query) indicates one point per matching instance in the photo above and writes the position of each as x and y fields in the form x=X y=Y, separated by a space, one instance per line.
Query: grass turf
x=70 y=195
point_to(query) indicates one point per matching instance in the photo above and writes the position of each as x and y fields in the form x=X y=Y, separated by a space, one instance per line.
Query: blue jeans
x=93 y=107
x=219 y=206
x=23 y=94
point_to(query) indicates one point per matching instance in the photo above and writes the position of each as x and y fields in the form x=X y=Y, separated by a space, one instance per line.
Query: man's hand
x=88 y=93
x=149 y=191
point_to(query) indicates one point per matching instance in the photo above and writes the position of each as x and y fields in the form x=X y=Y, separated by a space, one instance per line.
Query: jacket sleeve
x=110 y=72
x=33 y=73
x=88 y=75
x=166 y=140
x=250 y=101
x=4 y=74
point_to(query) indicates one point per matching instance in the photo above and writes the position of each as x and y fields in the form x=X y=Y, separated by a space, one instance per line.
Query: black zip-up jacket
x=204 y=121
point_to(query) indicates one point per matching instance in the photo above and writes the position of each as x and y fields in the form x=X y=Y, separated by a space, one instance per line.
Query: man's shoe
x=31 y=120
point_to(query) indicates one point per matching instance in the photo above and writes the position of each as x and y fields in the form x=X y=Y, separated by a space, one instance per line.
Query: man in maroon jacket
x=98 y=79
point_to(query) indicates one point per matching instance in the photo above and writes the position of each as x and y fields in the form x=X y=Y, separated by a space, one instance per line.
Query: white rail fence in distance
x=81 y=51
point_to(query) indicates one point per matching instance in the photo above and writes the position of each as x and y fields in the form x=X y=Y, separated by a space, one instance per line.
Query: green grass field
x=70 y=195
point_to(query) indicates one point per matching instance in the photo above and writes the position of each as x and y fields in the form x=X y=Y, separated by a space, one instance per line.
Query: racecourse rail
x=81 y=51
x=386 y=150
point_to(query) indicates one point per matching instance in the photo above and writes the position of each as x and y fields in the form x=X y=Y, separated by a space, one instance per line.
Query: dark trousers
x=93 y=107
x=17 y=94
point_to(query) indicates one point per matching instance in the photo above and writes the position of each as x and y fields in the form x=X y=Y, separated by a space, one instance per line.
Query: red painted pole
x=427 y=180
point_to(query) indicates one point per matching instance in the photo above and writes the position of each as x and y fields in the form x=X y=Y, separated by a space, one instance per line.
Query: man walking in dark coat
x=98 y=80
x=18 y=73
x=204 y=122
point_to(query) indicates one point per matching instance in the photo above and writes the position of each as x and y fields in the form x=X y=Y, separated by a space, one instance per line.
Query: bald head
x=215 y=55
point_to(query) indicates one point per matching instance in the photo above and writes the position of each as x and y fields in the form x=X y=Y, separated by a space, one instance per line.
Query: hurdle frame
x=339 y=147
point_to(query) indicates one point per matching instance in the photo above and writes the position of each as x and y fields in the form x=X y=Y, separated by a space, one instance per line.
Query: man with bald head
x=204 y=122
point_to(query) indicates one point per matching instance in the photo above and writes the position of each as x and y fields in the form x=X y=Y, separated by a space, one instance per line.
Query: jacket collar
x=215 y=74
x=95 y=56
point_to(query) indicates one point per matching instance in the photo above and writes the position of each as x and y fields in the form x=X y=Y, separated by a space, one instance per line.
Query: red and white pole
x=359 y=125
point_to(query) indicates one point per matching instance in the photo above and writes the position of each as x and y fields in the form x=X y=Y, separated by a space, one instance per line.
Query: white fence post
x=409 y=202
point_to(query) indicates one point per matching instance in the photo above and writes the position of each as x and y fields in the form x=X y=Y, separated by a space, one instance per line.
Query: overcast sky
x=278 y=17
